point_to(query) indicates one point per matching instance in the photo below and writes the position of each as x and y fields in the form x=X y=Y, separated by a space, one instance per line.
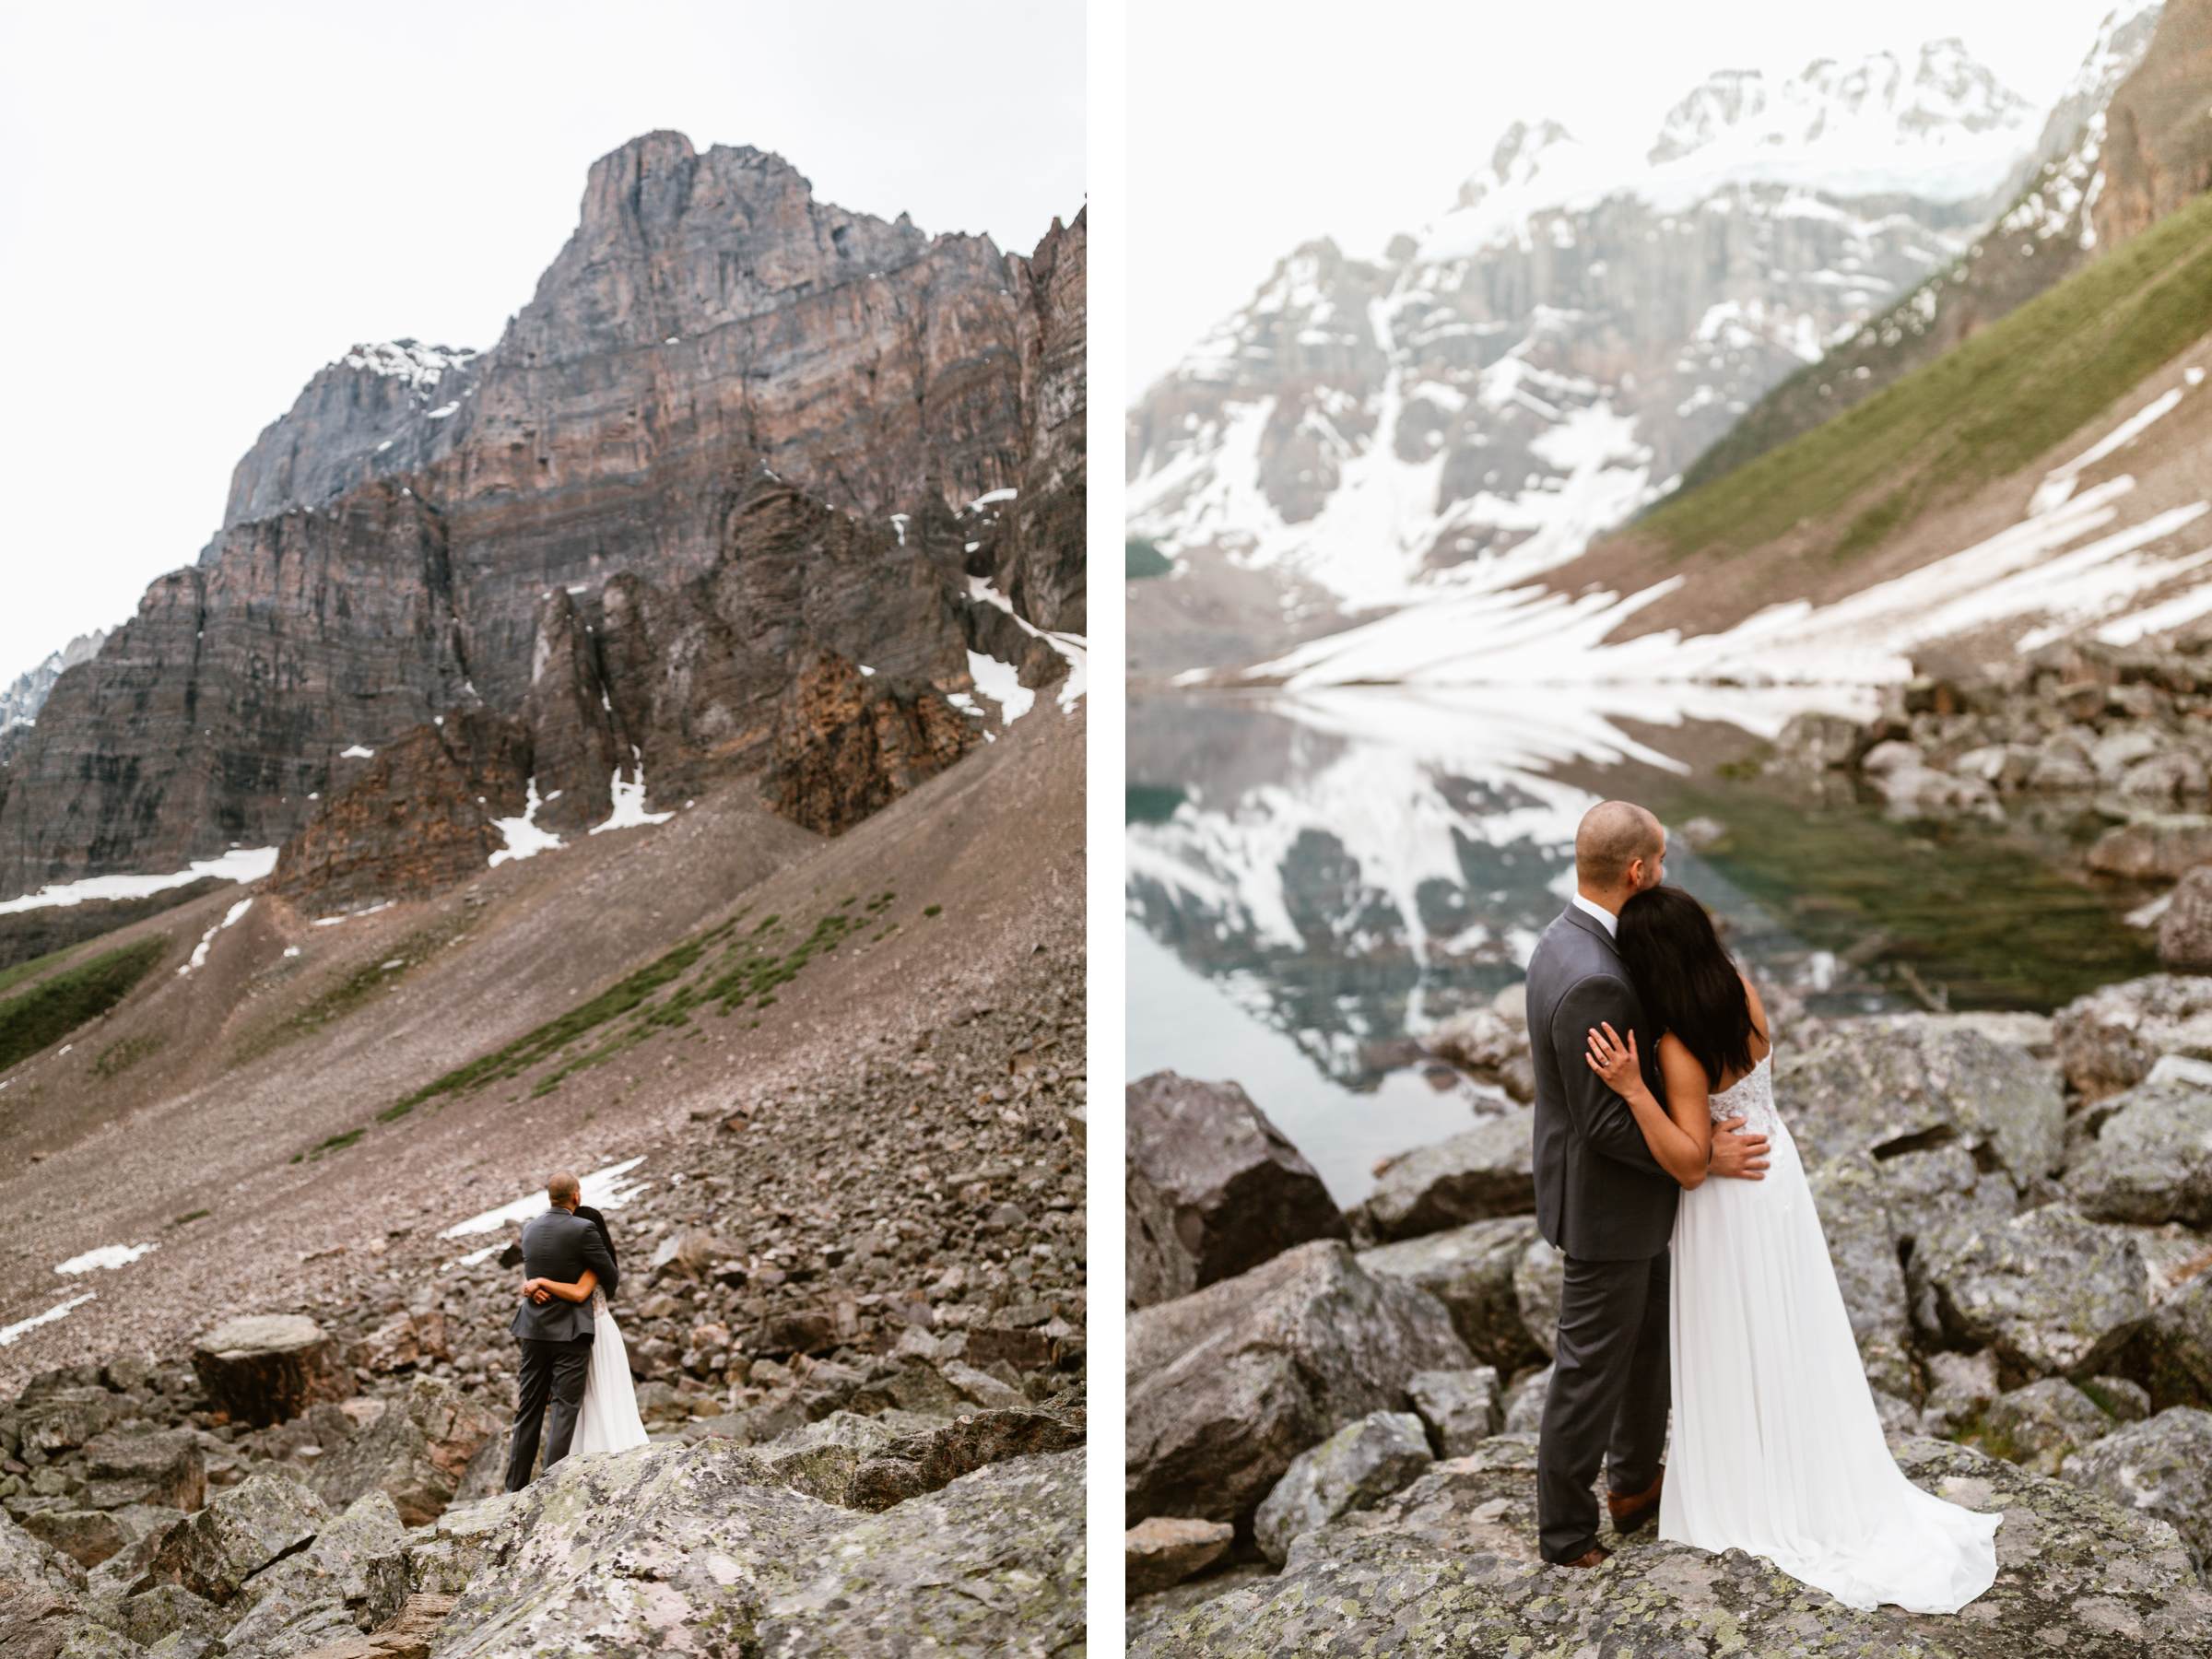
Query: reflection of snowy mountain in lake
x=1353 y=866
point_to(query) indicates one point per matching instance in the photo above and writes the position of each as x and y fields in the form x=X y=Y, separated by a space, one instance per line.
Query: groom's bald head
x=1619 y=849
x=562 y=1192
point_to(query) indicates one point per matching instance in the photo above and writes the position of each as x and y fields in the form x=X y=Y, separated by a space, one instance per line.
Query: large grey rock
x=267 y=1368
x=2185 y=928
x=2110 y=1040
x=1490 y=1044
x=85 y=1536
x=1922 y=1190
x=1213 y=1188
x=2152 y=1157
x=61 y=1419
x=1461 y=1409
x=305 y=1599
x=1539 y=1277
x=1162 y=1550
x=145 y=1465
x=417 y=1452
x=2039 y=1427
x=242 y=1530
x=2053 y=1292
x=2178 y=1346
x=2160 y=1467
x=1886 y=1089
x=1228 y=1385
x=1448 y=1566
x=1960 y=1388
x=664 y=1547
x=1479 y=1172
x=1359 y=1464
x=165 y=1610
x=1524 y=1404
x=935 y=1457
x=1471 y=1270
x=1848 y=1196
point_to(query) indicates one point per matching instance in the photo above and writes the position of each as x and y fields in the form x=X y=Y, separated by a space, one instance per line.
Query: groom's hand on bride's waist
x=1739 y=1157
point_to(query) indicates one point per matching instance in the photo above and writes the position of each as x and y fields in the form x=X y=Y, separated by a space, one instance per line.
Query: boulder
x=2159 y=1466
x=1921 y=1190
x=2178 y=1347
x=1525 y=1403
x=85 y=1536
x=666 y=1546
x=1461 y=1409
x=1471 y=1270
x=417 y=1452
x=267 y=1368
x=1848 y=1197
x=1448 y=1565
x=1889 y=1089
x=1361 y=1463
x=242 y=1530
x=2186 y=928
x=1960 y=1388
x=1228 y=1385
x=1538 y=1277
x=2152 y=849
x=1213 y=1188
x=2052 y=1291
x=62 y=1419
x=1166 y=1549
x=1822 y=742
x=41 y=1609
x=2110 y=1040
x=1489 y=1045
x=167 y=1609
x=412 y=1633
x=145 y=1465
x=2039 y=1427
x=306 y=1599
x=2152 y=1157
x=1479 y=1172
x=935 y=1457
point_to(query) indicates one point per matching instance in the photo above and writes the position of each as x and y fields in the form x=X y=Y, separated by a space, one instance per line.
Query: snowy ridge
x=418 y=366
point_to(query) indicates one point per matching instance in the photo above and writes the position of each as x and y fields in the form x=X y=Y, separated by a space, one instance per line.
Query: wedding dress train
x=608 y=1421
x=1778 y=1450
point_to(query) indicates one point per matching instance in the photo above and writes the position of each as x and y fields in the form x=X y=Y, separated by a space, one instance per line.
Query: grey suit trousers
x=1609 y=1397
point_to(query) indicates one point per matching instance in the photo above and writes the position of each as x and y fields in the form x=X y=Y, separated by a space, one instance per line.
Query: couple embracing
x=1655 y=1124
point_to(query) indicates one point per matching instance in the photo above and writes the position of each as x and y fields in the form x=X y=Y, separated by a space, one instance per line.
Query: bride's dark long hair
x=585 y=1212
x=1689 y=983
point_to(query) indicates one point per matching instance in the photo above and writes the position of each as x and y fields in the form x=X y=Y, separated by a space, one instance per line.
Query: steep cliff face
x=734 y=426
x=20 y=704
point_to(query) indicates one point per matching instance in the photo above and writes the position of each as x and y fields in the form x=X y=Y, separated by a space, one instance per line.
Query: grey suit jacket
x=558 y=1245
x=1600 y=1193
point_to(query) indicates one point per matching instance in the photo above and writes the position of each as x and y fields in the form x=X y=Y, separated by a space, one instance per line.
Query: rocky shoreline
x=2120 y=735
x=1331 y=1451
x=862 y=1363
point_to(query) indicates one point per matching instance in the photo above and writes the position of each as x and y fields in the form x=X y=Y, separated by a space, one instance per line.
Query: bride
x=608 y=1419
x=1778 y=1450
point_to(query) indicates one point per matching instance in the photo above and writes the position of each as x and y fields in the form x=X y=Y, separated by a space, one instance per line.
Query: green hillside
x=1987 y=407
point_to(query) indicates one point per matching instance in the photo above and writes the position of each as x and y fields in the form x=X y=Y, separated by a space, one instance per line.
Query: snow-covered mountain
x=20 y=702
x=1552 y=352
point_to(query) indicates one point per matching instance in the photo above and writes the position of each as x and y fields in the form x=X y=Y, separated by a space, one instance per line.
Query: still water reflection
x=1313 y=882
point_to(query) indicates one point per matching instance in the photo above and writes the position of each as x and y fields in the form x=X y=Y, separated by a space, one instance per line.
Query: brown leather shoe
x=1633 y=1512
x=1595 y=1556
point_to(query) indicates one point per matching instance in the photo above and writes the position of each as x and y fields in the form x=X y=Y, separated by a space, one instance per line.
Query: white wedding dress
x=608 y=1421
x=1777 y=1449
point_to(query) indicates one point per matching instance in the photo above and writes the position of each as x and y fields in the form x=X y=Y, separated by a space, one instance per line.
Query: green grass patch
x=198 y=1214
x=1988 y=407
x=119 y=1056
x=12 y=977
x=338 y=1143
x=932 y=909
x=1144 y=559
x=353 y=993
x=51 y=1009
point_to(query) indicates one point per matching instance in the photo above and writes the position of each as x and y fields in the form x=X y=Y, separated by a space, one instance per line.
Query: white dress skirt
x=1778 y=1449
x=610 y=1420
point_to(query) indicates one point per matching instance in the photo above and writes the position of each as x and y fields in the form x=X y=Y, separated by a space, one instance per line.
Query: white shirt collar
x=1612 y=923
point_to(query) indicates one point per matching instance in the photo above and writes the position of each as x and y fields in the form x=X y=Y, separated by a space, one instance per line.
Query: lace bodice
x=1751 y=1098
x=598 y=1302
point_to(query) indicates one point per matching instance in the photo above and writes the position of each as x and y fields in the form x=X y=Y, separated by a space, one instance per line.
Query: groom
x=1603 y=1200
x=556 y=1335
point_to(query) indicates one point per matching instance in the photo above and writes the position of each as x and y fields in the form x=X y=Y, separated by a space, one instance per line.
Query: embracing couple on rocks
x=1656 y=1126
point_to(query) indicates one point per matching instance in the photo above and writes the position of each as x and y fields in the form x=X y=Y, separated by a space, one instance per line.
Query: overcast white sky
x=1358 y=119
x=203 y=204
